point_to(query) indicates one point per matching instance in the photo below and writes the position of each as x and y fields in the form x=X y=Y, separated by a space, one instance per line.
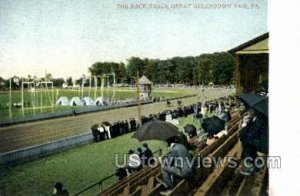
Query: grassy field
x=45 y=98
x=76 y=168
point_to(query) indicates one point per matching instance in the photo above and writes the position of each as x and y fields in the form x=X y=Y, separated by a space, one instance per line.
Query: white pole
x=34 y=97
x=10 y=115
x=90 y=86
x=52 y=98
x=41 y=95
x=107 y=83
x=95 y=87
x=102 y=85
x=22 y=98
x=114 y=92
x=82 y=84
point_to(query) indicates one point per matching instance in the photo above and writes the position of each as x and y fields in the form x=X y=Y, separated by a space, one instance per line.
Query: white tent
x=101 y=101
x=88 y=101
x=75 y=101
x=63 y=101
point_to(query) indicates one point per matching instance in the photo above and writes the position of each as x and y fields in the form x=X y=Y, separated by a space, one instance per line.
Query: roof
x=144 y=80
x=257 y=45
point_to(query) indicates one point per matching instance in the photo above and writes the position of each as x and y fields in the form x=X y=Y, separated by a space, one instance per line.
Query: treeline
x=217 y=68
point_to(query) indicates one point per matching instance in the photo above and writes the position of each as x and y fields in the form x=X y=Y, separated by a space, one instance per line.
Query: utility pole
x=138 y=98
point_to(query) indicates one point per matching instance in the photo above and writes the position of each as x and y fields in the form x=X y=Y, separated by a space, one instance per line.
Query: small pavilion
x=145 y=87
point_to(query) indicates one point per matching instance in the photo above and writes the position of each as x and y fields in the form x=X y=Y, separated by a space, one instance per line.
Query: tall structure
x=145 y=87
x=252 y=68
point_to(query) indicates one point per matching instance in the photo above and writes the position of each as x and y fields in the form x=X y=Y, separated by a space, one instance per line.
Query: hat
x=58 y=185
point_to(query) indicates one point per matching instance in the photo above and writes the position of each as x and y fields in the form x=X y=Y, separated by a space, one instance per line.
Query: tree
x=69 y=81
x=203 y=69
x=102 y=68
x=223 y=68
x=2 y=83
x=134 y=64
x=58 y=82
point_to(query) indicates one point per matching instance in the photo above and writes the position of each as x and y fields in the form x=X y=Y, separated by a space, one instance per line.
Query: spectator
x=59 y=191
x=224 y=115
x=204 y=110
x=133 y=125
x=140 y=153
x=197 y=114
x=179 y=157
x=168 y=103
x=102 y=133
x=253 y=137
x=190 y=130
x=121 y=173
x=96 y=133
x=179 y=102
x=134 y=162
x=148 y=154
x=106 y=126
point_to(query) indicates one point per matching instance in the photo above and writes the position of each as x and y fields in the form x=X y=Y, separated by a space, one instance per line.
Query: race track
x=25 y=135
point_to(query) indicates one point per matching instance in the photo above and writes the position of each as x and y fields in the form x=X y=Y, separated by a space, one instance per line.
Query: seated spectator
x=197 y=114
x=134 y=162
x=148 y=154
x=179 y=156
x=242 y=108
x=224 y=115
x=204 y=110
x=210 y=140
x=221 y=133
x=190 y=130
x=247 y=116
x=121 y=173
x=169 y=116
x=59 y=191
x=140 y=153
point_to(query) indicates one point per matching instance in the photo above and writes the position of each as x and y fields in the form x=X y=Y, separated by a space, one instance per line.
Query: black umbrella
x=213 y=125
x=262 y=106
x=257 y=102
x=251 y=98
x=156 y=130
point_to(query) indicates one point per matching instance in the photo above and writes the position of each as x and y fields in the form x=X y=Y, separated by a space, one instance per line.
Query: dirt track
x=25 y=135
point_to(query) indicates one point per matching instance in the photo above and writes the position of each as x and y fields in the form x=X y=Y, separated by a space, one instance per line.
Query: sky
x=65 y=37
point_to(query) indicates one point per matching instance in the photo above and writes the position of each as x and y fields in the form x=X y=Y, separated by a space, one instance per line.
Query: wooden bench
x=218 y=178
x=216 y=149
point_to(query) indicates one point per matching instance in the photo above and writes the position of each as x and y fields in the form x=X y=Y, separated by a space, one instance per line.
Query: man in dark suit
x=177 y=163
x=254 y=138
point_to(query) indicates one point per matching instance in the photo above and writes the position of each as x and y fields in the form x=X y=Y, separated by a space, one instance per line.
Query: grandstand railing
x=100 y=182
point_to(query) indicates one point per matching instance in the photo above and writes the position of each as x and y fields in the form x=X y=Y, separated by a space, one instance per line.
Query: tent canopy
x=63 y=101
x=75 y=101
x=88 y=101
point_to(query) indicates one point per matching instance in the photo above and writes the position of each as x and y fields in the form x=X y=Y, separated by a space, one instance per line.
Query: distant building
x=252 y=67
x=145 y=87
